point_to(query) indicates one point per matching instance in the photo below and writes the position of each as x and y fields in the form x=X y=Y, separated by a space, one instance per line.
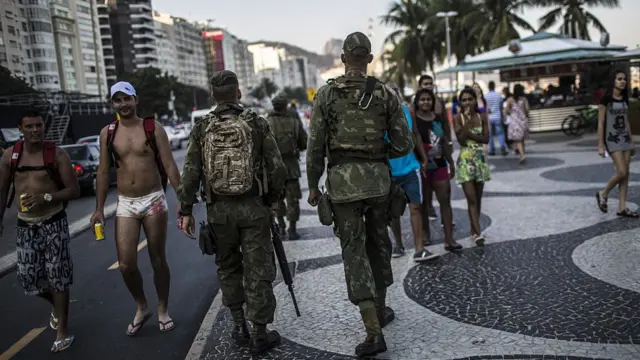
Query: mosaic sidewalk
x=557 y=279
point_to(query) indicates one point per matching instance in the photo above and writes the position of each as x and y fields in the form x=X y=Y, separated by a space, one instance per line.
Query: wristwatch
x=48 y=197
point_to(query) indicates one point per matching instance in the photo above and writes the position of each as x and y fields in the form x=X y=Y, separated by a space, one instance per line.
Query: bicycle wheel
x=577 y=126
x=565 y=125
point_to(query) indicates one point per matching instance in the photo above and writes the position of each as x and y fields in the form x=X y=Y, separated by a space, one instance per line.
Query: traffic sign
x=311 y=93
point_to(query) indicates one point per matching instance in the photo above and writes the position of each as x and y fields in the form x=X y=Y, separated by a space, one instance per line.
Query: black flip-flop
x=453 y=248
x=166 y=326
x=136 y=327
x=628 y=213
x=602 y=203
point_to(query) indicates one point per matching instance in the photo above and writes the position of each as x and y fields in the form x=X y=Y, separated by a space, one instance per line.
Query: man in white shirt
x=494 y=108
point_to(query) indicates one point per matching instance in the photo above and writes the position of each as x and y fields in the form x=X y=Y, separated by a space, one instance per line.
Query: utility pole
x=446 y=16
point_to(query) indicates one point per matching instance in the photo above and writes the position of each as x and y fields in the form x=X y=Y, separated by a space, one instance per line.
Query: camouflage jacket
x=292 y=163
x=265 y=151
x=358 y=180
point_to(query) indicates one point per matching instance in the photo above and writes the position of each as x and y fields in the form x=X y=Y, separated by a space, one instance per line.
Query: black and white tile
x=557 y=279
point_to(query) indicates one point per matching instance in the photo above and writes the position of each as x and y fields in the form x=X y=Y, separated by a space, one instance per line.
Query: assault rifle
x=282 y=260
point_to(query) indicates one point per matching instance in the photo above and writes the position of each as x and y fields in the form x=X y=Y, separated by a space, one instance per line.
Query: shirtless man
x=45 y=268
x=141 y=201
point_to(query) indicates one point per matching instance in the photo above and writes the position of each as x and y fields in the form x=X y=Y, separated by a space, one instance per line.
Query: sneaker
x=432 y=214
x=397 y=252
x=424 y=255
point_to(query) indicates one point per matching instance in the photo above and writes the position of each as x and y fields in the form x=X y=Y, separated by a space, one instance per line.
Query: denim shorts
x=412 y=186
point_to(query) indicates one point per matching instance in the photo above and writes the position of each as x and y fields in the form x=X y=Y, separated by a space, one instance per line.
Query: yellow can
x=23 y=208
x=99 y=231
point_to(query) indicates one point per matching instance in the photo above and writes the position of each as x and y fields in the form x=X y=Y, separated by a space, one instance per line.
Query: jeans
x=496 y=129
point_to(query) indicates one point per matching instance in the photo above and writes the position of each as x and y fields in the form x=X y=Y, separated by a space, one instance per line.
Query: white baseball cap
x=123 y=87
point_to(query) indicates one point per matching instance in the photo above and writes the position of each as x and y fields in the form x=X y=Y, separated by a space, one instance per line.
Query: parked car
x=90 y=140
x=174 y=140
x=85 y=159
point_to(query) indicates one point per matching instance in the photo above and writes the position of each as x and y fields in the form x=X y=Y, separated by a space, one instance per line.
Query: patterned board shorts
x=44 y=257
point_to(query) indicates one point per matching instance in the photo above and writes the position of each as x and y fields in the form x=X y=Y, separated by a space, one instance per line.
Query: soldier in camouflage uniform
x=351 y=115
x=241 y=224
x=292 y=139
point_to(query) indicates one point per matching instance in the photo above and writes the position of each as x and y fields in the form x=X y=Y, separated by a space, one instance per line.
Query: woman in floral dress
x=518 y=112
x=472 y=130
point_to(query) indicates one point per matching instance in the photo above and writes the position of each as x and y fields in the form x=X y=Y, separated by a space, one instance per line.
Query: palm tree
x=463 y=40
x=574 y=17
x=495 y=22
x=410 y=16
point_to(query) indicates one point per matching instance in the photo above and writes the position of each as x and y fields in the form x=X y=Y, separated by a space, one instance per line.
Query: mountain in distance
x=322 y=62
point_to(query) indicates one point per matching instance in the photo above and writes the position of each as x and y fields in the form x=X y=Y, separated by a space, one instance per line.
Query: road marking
x=115 y=265
x=22 y=343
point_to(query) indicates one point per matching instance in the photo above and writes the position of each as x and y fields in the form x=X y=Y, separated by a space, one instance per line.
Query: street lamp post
x=446 y=16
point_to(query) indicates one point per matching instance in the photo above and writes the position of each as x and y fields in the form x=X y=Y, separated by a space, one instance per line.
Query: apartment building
x=186 y=41
x=167 y=59
x=78 y=47
x=39 y=45
x=284 y=69
x=106 y=41
x=12 y=54
x=244 y=66
x=132 y=34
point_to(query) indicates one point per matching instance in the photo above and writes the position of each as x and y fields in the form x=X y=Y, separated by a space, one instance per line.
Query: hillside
x=322 y=62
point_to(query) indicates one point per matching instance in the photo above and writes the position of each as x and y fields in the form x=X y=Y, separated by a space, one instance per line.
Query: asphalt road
x=77 y=209
x=101 y=307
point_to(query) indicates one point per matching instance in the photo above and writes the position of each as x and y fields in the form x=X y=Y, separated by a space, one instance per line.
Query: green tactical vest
x=285 y=128
x=356 y=130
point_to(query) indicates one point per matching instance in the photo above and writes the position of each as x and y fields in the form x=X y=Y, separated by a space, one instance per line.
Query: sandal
x=61 y=345
x=628 y=213
x=453 y=248
x=478 y=240
x=53 y=322
x=602 y=203
x=134 y=328
x=166 y=326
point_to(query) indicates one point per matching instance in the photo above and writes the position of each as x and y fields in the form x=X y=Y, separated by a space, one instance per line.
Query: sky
x=310 y=23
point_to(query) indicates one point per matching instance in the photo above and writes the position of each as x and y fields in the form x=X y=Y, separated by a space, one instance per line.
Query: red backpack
x=49 y=157
x=149 y=131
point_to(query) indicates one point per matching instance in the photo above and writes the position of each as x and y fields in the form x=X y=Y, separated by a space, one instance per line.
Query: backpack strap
x=49 y=157
x=111 y=134
x=149 y=131
x=15 y=159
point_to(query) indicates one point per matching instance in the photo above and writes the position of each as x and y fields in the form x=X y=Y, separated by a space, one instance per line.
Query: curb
x=197 y=348
x=9 y=262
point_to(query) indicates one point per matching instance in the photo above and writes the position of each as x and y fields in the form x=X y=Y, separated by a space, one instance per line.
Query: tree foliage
x=418 y=42
x=154 y=90
x=298 y=94
x=266 y=89
x=12 y=85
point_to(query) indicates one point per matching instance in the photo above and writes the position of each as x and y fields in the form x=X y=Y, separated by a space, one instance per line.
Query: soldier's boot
x=282 y=225
x=262 y=340
x=385 y=313
x=240 y=332
x=293 y=234
x=374 y=342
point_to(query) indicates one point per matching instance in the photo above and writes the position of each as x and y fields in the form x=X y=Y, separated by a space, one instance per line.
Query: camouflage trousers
x=245 y=256
x=366 y=248
x=292 y=195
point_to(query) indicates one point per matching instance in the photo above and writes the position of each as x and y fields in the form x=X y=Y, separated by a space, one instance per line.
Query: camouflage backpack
x=285 y=130
x=358 y=116
x=228 y=154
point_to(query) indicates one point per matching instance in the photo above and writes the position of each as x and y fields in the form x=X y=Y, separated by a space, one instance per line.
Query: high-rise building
x=244 y=66
x=107 y=42
x=39 y=45
x=12 y=53
x=78 y=46
x=224 y=51
x=132 y=35
x=186 y=40
x=167 y=57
